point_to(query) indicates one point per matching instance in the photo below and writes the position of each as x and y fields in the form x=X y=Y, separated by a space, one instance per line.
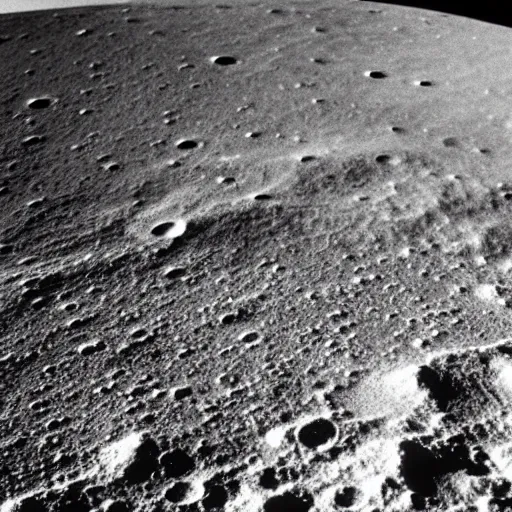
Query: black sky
x=492 y=11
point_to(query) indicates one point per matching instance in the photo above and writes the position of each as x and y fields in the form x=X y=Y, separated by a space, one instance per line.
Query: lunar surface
x=255 y=257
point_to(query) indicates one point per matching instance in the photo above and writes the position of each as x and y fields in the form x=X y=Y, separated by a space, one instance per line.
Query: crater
x=378 y=75
x=262 y=197
x=383 y=159
x=316 y=433
x=423 y=83
x=223 y=60
x=175 y=272
x=178 y=492
x=186 y=144
x=288 y=501
x=40 y=103
x=169 y=229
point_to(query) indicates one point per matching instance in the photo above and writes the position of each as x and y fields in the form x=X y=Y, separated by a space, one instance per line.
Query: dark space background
x=492 y=11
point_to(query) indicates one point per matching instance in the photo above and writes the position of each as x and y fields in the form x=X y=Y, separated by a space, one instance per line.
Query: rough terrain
x=255 y=258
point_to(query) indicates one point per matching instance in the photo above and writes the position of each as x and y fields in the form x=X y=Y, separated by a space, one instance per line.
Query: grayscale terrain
x=255 y=258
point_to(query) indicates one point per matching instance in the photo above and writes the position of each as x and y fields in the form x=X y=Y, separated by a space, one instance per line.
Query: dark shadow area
x=491 y=11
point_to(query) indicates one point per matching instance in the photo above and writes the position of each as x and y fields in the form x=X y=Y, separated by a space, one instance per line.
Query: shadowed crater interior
x=288 y=501
x=316 y=433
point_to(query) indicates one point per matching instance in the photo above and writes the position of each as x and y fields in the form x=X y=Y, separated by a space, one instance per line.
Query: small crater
x=317 y=433
x=383 y=159
x=450 y=142
x=103 y=157
x=176 y=463
x=36 y=202
x=378 y=75
x=178 y=492
x=88 y=349
x=39 y=303
x=186 y=144
x=163 y=229
x=183 y=392
x=262 y=197
x=423 y=83
x=39 y=103
x=75 y=323
x=175 y=272
x=249 y=337
x=226 y=180
x=33 y=140
x=139 y=333
x=112 y=166
x=228 y=318
x=69 y=306
x=223 y=60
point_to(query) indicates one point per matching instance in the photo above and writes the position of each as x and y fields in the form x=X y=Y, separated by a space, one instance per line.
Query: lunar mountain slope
x=255 y=258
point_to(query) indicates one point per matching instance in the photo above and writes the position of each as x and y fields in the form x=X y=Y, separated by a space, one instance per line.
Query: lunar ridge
x=255 y=257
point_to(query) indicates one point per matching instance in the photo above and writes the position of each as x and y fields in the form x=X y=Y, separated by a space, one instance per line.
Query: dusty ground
x=255 y=258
